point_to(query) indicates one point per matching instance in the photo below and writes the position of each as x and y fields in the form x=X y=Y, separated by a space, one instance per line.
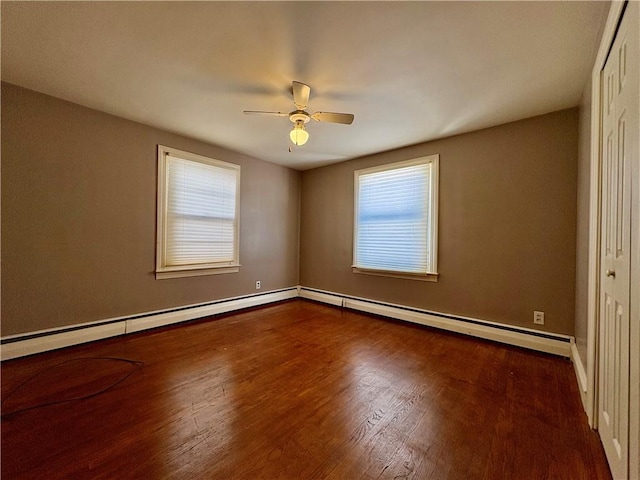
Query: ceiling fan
x=299 y=116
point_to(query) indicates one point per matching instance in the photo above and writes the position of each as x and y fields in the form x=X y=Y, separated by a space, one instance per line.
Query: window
x=396 y=219
x=198 y=205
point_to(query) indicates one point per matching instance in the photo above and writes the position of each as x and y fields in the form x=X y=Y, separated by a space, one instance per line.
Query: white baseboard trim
x=581 y=373
x=15 y=346
x=518 y=336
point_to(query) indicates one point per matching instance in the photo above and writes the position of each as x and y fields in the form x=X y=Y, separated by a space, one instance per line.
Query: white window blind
x=197 y=215
x=394 y=228
x=201 y=207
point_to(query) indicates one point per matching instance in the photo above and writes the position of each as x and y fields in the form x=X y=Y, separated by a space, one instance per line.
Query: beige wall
x=507 y=228
x=582 y=230
x=78 y=221
x=79 y=218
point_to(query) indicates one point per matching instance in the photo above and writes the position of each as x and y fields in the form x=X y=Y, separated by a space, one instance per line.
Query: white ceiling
x=410 y=72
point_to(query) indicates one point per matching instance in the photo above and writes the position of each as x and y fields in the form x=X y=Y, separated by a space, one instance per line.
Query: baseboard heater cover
x=36 y=342
x=518 y=336
x=20 y=345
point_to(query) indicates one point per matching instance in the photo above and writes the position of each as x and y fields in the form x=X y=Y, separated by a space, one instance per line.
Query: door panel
x=620 y=137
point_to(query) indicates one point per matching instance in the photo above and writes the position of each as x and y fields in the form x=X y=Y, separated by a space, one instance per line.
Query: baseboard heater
x=36 y=342
x=518 y=336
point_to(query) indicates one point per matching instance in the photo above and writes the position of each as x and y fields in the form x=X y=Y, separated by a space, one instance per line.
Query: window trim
x=432 y=274
x=164 y=271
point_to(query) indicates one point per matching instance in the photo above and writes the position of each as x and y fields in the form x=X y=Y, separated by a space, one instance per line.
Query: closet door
x=619 y=142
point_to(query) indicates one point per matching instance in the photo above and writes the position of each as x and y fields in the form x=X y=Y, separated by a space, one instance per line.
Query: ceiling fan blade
x=301 y=95
x=345 y=118
x=260 y=112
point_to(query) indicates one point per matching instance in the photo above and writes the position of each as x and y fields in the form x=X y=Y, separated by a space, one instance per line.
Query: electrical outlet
x=538 y=318
x=257 y=284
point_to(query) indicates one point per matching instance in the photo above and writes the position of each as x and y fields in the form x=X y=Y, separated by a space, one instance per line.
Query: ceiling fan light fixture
x=299 y=135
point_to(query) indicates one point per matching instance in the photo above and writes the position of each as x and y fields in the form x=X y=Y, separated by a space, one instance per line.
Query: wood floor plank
x=296 y=390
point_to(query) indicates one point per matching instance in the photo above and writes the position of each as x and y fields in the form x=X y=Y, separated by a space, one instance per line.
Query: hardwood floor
x=296 y=391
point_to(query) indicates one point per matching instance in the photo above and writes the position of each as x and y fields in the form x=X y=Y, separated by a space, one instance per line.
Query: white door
x=620 y=133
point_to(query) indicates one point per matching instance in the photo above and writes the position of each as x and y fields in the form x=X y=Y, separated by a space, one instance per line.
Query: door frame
x=593 y=290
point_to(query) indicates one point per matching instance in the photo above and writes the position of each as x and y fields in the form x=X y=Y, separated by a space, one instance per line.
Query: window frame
x=431 y=275
x=164 y=271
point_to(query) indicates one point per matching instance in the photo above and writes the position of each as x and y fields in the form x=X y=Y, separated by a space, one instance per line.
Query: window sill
x=178 y=272
x=424 y=277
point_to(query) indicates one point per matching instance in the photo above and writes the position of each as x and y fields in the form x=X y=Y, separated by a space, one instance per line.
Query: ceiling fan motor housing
x=299 y=115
